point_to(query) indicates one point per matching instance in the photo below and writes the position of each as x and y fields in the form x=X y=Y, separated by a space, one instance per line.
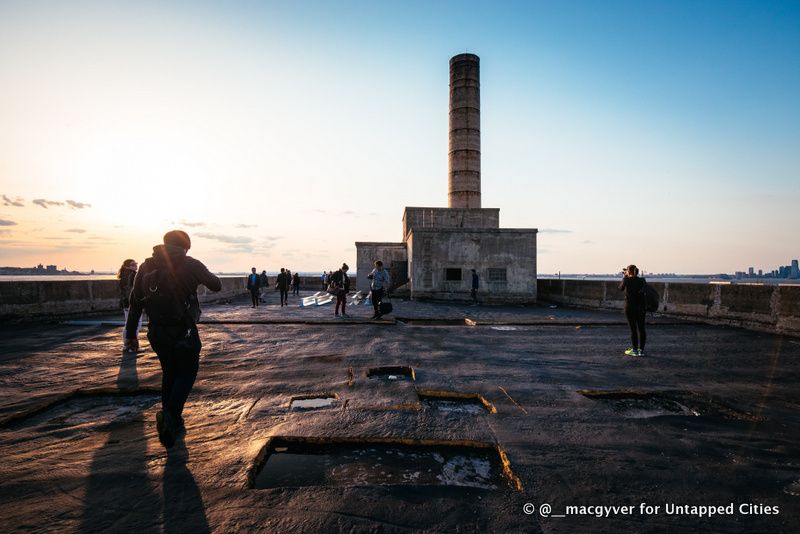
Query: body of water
x=72 y=277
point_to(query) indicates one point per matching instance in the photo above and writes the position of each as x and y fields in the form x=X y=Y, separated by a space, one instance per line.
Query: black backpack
x=651 y=298
x=164 y=300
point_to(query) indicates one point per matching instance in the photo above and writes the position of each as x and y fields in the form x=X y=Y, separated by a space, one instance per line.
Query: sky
x=277 y=134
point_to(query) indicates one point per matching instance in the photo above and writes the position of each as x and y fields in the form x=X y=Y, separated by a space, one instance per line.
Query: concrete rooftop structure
x=709 y=418
x=440 y=246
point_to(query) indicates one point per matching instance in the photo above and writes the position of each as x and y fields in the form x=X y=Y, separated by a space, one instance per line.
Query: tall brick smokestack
x=464 y=165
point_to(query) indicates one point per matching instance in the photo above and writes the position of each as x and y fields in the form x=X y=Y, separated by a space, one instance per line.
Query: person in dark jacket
x=635 y=308
x=476 y=282
x=296 y=284
x=342 y=286
x=254 y=285
x=125 y=275
x=282 y=284
x=166 y=288
x=264 y=279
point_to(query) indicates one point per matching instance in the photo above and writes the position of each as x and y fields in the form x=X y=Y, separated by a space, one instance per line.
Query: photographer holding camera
x=635 y=308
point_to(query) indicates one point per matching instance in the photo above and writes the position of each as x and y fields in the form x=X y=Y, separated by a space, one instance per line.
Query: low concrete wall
x=63 y=298
x=768 y=308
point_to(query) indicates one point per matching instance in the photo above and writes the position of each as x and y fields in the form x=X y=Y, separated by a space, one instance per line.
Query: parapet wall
x=769 y=308
x=64 y=298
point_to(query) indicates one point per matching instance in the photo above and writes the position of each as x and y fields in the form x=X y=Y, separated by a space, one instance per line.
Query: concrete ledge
x=41 y=299
x=765 y=308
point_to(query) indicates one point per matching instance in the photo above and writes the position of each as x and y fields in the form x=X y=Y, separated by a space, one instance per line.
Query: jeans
x=126 y=310
x=635 y=318
x=178 y=350
x=254 y=296
x=377 y=297
x=341 y=298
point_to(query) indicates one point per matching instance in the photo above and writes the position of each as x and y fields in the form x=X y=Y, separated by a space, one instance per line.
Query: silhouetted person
x=282 y=283
x=264 y=279
x=166 y=288
x=378 y=286
x=476 y=282
x=126 y=275
x=254 y=285
x=635 y=308
x=342 y=286
x=296 y=284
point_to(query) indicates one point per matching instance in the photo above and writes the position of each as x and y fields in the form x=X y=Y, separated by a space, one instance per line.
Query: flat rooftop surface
x=512 y=410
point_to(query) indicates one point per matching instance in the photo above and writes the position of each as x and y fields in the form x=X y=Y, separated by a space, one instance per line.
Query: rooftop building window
x=497 y=275
x=452 y=274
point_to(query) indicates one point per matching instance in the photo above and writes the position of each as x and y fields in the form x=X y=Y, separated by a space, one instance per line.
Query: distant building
x=794 y=270
x=760 y=272
x=750 y=271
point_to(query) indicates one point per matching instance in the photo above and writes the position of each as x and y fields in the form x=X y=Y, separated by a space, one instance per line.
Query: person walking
x=264 y=280
x=282 y=283
x=254 y=285
x=476 y=282
x=126 y=275
x=378 y=286
x=166 y=289
x=635 y=308
x=296 y=284
x=342 y=286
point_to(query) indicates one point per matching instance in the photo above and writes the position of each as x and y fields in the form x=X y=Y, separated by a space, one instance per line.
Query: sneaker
x=167 y=429
x=631 y=352
x=640 y=352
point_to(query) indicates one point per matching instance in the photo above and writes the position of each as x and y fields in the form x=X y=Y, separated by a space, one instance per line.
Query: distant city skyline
x=279 y=133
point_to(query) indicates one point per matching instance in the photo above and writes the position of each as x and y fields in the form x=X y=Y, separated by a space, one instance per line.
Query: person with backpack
x=125 y=275
x=635 y=308
x=340 y=286
x=378 y=286
x=165 y=287
x=254 y=285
